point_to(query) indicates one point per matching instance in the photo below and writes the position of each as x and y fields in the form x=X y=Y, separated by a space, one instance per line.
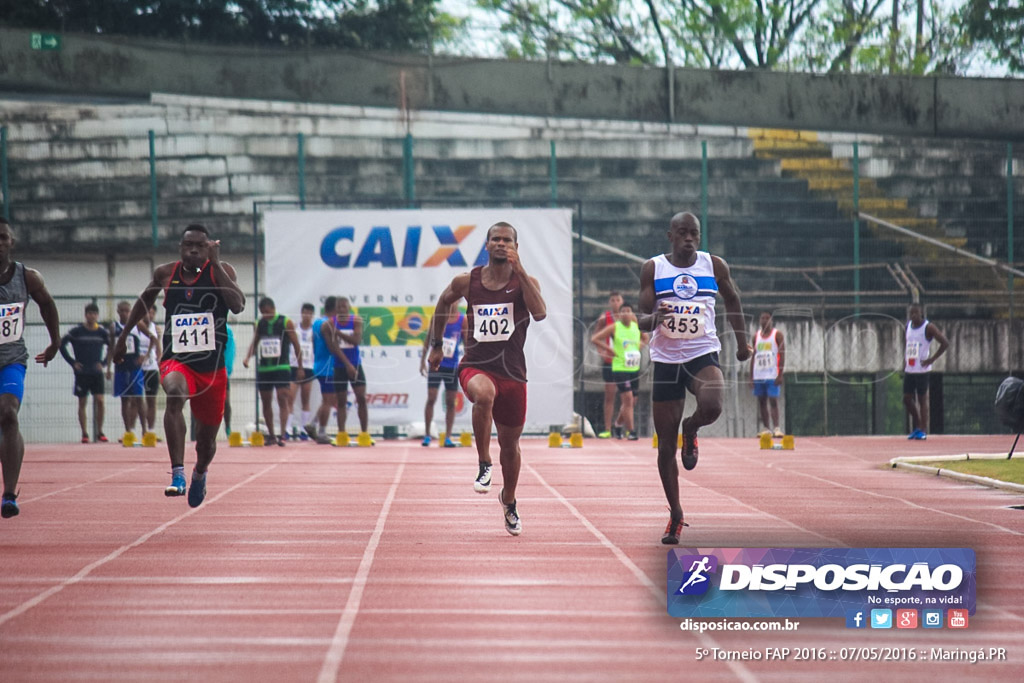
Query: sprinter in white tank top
x=919 y=354
x=677 y=297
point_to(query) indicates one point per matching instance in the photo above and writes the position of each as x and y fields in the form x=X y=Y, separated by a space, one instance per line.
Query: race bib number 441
x=11 y=322
x=192 y=332
x=493 y=322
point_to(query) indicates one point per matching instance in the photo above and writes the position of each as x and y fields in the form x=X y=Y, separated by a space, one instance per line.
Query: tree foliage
x=376 y=24
x=998 y=25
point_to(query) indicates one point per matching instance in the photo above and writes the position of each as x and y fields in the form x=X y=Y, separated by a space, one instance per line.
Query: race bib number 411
x=192 y=332
x=493 y=322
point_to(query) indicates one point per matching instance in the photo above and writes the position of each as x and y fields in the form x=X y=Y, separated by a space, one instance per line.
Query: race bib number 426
x=192 y=332
x=493 y=322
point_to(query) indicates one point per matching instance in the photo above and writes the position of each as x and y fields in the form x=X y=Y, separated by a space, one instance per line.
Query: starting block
x=554 y=440
x=576 y=440
x=128 y=440
x=256 y=438
x=149 y=439
x=364 y=440
x=679 y=441
x=466 y=439
x=235 y=439
x=788 y=443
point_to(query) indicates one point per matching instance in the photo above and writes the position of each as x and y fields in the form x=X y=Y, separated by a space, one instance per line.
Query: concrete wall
x=913 y=106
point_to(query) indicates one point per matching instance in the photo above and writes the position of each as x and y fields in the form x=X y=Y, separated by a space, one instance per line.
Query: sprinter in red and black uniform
x=199 y=291
x=501 y=299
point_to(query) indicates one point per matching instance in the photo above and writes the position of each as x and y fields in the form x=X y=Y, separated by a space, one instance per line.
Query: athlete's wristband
x=436 y=343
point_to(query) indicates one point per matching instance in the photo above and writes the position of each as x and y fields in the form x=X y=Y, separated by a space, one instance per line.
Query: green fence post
x=703 y=195
x=4 y=187
x=409 y=172
x=856 y=229
x=553 y=176
x=152 y=190
x=1010 y=221
x=301 y=139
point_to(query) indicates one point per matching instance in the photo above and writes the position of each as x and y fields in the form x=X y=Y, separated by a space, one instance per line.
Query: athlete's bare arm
x=936 y=334
x=252 y=349
x=531 y=288
x=782 y=355
x=226 y=278
x=733 y=307
x=599 y=337
x=161 y=278
x=355 y=337
x=457 y=289
x=650 y=316
x=48 y=310
x=293 y=336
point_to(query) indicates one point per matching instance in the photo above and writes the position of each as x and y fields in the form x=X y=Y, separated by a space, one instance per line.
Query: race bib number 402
x=192 y=332
x=493 y=322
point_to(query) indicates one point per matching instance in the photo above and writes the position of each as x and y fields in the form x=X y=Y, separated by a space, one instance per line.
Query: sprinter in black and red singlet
x=501 y=299
x=199 y=291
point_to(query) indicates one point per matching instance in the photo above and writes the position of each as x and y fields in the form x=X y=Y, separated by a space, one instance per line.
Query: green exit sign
x=45 y=41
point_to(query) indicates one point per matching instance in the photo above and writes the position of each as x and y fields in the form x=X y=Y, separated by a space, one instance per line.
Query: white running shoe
x=483 y=479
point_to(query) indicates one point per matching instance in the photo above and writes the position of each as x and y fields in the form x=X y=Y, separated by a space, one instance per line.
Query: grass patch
x=1003 y=469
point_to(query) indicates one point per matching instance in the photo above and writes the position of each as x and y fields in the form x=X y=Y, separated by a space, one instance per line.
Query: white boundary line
x=332 y=661
x=88 y=569
x=913 y=463
x=742 y=672
x=84 y=483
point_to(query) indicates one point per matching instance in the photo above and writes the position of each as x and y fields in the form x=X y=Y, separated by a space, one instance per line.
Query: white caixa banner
x=393 y=264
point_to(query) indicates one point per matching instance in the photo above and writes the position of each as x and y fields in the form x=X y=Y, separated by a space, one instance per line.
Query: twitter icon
x=881 y=618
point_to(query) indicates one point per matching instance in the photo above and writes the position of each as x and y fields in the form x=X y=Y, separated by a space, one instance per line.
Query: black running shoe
x=9 y=506
x=674 y=530
x=512 y=523
x=689 y=451
x=632 y=437
x=483 y=478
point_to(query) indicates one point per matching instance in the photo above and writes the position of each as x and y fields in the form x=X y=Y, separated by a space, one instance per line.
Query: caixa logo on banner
x=816 y=582
x=380 y=246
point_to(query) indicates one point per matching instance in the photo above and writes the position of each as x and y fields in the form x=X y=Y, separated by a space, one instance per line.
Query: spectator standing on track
x=677 y=297
x=627 y=340
x=501 y=298
x=608 y=317
x=149 y=351
x=17 y=284
x=766 y=368
x=128 y=375
x=451 y=346
x=199 y=291
x=273 y=373
x=90 y=343
x=302 y=387
x=917 y=367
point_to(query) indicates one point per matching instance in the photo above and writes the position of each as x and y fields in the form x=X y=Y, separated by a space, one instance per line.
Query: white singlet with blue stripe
x=689 y=332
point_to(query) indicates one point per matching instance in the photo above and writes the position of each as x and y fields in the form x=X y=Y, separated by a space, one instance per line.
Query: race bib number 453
x=683 y=325
x=493 y=322
x=192 y=332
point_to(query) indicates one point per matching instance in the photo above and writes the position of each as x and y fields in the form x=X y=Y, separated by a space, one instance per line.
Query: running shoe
x=102 y=438
x=919 y=435
x=312 y=431
x=280 y=440
x=323 y=439
x=912 y=435
x=632 y=437
x=85 y=438
x=674 y=530
x=512 y=523
x=778 y=433
x=426 y=440
x=448 y=443
x=483 y=479
x=177 y=487
x=618 y=432
x=9 y=507
x=197 y=491
x=604 y=435
x=689 y=451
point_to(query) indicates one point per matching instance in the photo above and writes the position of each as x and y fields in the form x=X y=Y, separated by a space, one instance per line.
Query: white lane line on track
x=335 y=653
x=89 y=568
x=82 y=484
x=742 y=672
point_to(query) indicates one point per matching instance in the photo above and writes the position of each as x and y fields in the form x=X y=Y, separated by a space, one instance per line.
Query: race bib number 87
x=493 y=322
x=192 y=332
x=11 y=323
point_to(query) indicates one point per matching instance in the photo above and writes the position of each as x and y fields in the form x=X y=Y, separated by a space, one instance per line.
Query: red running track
x=311 y=563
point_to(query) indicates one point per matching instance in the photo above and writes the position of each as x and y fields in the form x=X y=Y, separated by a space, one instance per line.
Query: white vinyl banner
x=393 y=264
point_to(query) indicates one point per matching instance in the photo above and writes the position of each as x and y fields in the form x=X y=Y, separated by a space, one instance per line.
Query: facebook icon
x=855 y=618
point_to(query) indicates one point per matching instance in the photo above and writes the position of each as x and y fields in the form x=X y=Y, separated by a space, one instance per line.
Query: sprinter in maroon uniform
x=501 y=298
x=198 y=291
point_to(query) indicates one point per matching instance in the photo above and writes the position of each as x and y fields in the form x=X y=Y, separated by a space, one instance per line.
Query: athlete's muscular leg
x=925 y=410
x=327 y=401
x=364 y=416
x=206 y=445
x=709 y=388
x=428 y=410
x=341 y=397
x=12 y=446
x=910 y=401
x=83 y=401
x=609 y=405
x=510 y=458
x=449 y=411
x=284 y=403
x=267 y=403
x=667 y=415
x=176 y=388
x=481 y=391
x=773 y=404
x=762 y=409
